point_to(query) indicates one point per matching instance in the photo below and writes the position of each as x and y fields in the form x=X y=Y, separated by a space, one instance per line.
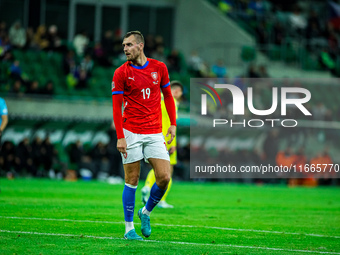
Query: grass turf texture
x=95 y=210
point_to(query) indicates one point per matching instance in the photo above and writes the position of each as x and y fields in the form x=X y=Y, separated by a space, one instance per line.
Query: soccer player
x=138 y=84
x=177 y=92
x=4 y=116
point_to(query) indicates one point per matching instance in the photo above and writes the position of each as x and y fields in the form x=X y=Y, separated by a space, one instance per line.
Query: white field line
x=171 y=225
x=167 y=242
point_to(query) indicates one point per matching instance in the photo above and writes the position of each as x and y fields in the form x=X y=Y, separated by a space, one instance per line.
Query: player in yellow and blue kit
x=177 y=91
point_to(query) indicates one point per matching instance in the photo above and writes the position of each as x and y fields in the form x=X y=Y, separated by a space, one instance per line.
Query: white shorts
x=145 y=146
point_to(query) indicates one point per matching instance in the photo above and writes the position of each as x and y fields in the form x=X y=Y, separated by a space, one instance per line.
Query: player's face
x=177 y=92
x=132 y=49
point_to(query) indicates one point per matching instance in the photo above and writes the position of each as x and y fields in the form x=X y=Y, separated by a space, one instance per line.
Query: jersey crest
x=154 y=75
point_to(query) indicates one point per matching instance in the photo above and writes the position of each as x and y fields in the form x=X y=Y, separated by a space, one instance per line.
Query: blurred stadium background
x=58 y=58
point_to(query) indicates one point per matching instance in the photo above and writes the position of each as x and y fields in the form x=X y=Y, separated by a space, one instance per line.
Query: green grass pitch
x=58 y=217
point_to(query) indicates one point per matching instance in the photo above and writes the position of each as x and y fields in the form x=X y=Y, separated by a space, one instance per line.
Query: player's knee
x=164 y=181
x=133 y=180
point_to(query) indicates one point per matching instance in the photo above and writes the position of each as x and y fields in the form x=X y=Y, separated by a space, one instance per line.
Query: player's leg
x=162 y=173
x=156 y=153
x=132 y=172
x=167 y=190
x=163 y=203
x=150 y=180
x=173 y=161
x=131 y=162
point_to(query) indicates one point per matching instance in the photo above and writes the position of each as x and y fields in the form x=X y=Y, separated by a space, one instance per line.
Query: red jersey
x=141 y=89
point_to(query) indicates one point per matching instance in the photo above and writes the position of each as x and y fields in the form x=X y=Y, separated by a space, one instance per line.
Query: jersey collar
x=140 y=67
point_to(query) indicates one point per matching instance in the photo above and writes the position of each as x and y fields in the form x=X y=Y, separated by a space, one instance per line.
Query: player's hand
x=121 y=145
x=172 y=149
x=172 y=132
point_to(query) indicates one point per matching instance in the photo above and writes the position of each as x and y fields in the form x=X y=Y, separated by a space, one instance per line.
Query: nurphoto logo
x=238 y=106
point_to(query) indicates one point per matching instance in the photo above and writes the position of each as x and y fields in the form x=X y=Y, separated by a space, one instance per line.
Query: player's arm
x=169 y=102
x=166 y=124
x=4 y=118
x=171 y=109
x=117 y=100
x=4 y=122
x=174 y=141
x=173 y=147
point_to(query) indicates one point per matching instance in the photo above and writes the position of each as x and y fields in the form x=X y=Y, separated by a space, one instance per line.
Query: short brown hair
x=138 y=36
x=176 y=84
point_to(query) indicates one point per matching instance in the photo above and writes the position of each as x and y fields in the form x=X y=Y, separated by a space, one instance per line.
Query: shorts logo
x=165 y=146
x=154 y=75
x=113 y=85
x=125 y=155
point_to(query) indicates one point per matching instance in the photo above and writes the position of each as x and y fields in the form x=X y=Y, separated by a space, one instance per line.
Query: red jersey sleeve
x=165 y=82
x=118 y=82
x=169 y=104
x=168 y=99
x=117 y=100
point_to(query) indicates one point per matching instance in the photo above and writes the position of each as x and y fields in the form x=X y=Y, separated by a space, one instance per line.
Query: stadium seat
x=17 y=133
x=19 y=55
x=309 y=62
x=275 y=53
x=248 y=53
x=56 y=59
x=32 y=56
x=288 y=53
